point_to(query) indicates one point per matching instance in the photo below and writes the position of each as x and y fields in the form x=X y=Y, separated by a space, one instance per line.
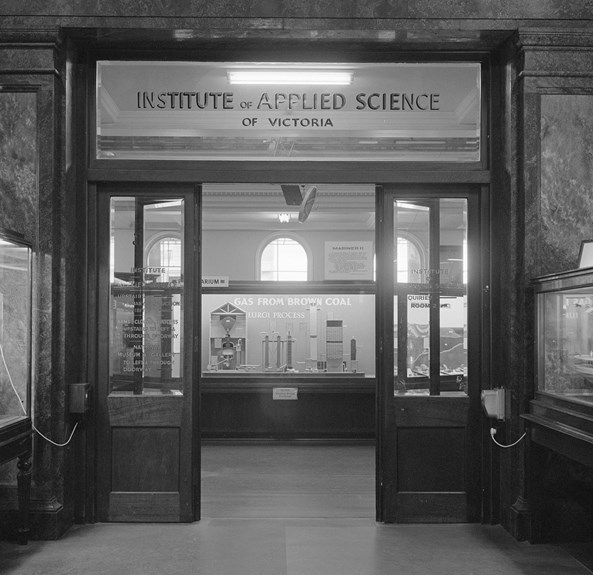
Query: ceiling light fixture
x=284 y=217
x=294 y=77
x=307 y=204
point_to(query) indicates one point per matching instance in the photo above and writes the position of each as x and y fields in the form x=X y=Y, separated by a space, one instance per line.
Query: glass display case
x=308 y=334
x=565 y=334
x=15 y=365
x=15 y=328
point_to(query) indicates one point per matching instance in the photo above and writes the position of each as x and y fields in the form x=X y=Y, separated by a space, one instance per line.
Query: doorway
x=287 y=309
x=335 y=347
x=288 y=357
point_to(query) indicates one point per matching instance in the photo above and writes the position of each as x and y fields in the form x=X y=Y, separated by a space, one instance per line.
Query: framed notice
x=348 y=260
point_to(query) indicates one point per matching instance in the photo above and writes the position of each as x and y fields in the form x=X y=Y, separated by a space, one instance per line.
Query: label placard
x=215 y=281
x=285 y=393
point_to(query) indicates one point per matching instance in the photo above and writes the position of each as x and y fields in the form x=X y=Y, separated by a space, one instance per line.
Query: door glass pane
x=453 y=286
x=453 y=336
x=418 y=348
x=453 y=243
x=412 y=246
x=430 y=279
x=146 y=299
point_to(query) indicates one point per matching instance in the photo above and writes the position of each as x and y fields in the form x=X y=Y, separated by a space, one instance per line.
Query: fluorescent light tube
x=294 y=77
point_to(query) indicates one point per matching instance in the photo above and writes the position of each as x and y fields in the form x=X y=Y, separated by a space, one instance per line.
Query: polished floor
x=280 y=508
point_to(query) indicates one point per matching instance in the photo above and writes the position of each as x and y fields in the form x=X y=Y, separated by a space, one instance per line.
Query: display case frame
x=278 y=290
x=560 y=415
x=16 y=429
x=564 y=335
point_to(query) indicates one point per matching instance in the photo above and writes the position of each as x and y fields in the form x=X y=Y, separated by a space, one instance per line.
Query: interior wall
x=236 y=255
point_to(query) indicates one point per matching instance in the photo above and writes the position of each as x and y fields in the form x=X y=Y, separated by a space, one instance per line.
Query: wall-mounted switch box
x=79 y=397
x=493 y=402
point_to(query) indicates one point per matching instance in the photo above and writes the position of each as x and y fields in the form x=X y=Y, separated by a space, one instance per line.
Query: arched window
x=284 y=259
x=408 y=260
x=166 y=253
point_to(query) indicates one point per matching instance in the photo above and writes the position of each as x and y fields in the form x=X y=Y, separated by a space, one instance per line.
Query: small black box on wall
x=79 y=397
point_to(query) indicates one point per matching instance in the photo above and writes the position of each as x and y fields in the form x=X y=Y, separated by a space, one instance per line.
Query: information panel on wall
x=288 y=111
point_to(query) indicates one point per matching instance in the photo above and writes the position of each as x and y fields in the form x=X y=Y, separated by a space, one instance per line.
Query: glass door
x=429 y=389
x=145 y=304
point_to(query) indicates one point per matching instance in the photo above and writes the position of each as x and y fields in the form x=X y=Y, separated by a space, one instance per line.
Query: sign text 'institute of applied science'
x=188 y=110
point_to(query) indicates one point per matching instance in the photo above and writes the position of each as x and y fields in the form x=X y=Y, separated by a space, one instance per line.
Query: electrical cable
x=11 y=382
x=493 y=432
x=21 y=403
x=56 y=443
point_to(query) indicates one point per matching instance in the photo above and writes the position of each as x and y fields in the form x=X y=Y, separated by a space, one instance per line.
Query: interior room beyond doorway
x=288 y=308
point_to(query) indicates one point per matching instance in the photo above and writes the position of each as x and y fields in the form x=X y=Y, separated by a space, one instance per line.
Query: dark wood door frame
x=171 y=415
x=390 y=414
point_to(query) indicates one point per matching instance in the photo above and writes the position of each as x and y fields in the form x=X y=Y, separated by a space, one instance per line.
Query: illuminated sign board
x=257 y=111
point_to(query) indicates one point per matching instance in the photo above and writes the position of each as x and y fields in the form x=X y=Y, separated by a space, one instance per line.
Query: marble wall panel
x=535 y=9
x=529 y=180
x=220 y=8
x=18 y=163
x=566 y=202
x=303 y=9
x=163 y=8
x=23 y=59
x=50 y=314
x=42 y=7
x=423 y=9
x=566 y=59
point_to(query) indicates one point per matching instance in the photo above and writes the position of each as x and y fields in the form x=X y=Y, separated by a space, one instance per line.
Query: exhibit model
x=278 y=351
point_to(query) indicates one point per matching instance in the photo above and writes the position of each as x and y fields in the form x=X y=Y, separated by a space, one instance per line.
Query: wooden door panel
x=428 y=310
x=145 y=459
x=431 y=455
x=166 y=410
x=422 y=451
x=431 y=411
x=146 y=456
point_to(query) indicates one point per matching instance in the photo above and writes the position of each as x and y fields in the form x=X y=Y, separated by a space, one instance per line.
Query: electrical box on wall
x=493 y=402
x=79 y=398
